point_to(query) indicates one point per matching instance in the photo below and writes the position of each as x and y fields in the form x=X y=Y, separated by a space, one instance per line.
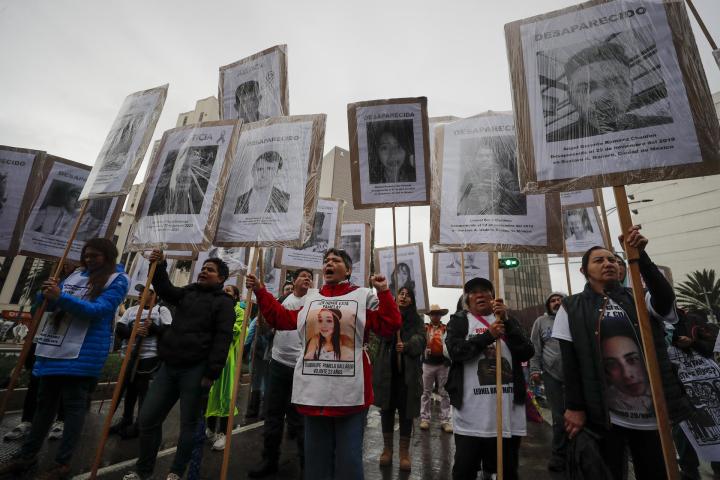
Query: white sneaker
x=19 y=431
x=56 y=432
x=172 y=476
x=219 y=443
x=132 y=476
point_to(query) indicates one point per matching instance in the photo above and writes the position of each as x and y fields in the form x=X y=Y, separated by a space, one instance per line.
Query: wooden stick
x=695 y=13
x=498 y=382
x=253 y=347
x=462 y=269
x=606 y=225
x=146 y=323
x=35 y=322
x=121 y=376
x=656 y=387
x=238 y=370
x=565 y=257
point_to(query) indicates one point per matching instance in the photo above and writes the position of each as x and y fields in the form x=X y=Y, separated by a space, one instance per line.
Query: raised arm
x=164 y=288
x=274 y=313
x=382 y=317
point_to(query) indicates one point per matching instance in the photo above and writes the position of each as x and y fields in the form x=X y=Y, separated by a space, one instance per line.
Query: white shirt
x=477 y=418
x=160 y=316
x=286 y=344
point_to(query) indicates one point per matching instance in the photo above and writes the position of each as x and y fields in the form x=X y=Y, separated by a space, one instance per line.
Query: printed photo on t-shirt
x=329 y=348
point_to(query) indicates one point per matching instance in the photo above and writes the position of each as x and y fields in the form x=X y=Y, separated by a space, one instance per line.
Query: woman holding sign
x=73 y=342
x=334 y=395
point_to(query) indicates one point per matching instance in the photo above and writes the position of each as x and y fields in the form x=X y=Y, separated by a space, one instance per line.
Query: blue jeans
x=170 y=384
x=334 y=447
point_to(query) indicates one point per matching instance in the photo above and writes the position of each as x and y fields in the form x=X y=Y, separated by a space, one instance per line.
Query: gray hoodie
x=547 y=357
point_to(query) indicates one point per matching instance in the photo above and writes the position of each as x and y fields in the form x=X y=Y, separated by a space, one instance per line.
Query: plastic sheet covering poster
x=610 y=93
x=179 y=206
x=236 y=258
x=355 y=240
x=582 y=230
x=579 y=198
x=477 y=203
x=389 y=152
x=272 y=277
x=21 y=177
x=125 y=146
x=447 y=268
x=180 y=254
x=272 y=192
x=256 y=87
x=410 y=271
x=324 y=235
x=700 y=377
x=57 y=208
x=139 y=273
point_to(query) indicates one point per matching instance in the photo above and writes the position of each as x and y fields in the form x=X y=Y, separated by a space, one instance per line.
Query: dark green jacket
x=412 y=333
x=582 y=358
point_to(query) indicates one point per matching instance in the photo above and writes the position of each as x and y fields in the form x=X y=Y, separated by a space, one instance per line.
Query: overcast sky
x=68 y=65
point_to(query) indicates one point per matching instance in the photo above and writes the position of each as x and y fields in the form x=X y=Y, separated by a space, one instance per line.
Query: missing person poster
x=355 y=240
x=324 y=235
x=139 y=273
x=179 y=206
x=408 y=273
x=477 y=201
x=330 y=327
x=56 y=211
x=256 y=87
x=580 y=198
x=21 y=177
x=124 y=149
x=389 y=152
x=272 y=191
x=581 y=227
x=447 y=268
x=607 y=103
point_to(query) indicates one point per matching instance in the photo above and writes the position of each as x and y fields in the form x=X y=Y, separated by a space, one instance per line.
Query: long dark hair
x=99 y=277
x=335 y=339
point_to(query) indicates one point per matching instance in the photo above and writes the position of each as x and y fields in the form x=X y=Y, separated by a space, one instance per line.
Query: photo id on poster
x=355 y=240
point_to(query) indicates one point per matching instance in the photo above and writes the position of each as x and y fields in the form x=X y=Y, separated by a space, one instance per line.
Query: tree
x=698 y=290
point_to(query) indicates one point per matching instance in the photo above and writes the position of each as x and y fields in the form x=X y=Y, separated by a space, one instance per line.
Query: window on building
x=184 y=121
x=202 y=115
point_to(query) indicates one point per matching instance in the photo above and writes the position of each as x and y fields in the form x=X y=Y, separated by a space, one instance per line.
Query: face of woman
x=93 y=259
x=326 y=324
x=624 y=366
x=390 y=152
x=403 y=276
x=403 y=298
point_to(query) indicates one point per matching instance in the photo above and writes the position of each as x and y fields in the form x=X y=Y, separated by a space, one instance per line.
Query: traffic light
x=508 y=262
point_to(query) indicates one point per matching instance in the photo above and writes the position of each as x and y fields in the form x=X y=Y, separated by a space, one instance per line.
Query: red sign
x=16 y=316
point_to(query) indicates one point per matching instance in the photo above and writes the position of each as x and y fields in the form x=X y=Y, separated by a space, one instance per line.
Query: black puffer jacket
x=202 y=326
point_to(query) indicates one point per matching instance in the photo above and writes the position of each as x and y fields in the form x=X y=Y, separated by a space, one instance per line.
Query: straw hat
x=435 y=308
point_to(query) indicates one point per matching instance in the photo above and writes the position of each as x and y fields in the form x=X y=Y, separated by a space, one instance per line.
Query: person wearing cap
x=472 y=336
x=546 y=367
x=334 y=394
x=137 y=379
x=607 y=388
x=435 y=370
x=193 y=350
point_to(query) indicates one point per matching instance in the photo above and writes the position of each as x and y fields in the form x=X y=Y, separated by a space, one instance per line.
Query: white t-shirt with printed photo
x=477 y=416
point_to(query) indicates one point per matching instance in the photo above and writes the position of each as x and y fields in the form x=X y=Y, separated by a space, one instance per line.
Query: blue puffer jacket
x=96 y=346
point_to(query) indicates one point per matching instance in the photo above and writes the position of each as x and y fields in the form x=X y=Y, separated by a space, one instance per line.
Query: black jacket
x=202 y=326
x=462 y=350
x=582 y=358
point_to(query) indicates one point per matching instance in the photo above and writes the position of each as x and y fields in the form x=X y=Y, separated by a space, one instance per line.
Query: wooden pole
x=565 y=257
x=462 y=270
x=409 y=223
x=35 y=322
x=121 y=376
x=395 y=280
x=238 y=370
x=656 y=387
x=261 y=275
x=603 y=213
x=498 y=381
x=704 y=29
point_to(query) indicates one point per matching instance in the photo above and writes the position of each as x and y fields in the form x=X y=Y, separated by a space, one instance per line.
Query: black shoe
x=267 y=467
x=253 y=408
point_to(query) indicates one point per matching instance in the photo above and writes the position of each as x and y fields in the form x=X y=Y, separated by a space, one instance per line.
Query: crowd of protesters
x=312 y=371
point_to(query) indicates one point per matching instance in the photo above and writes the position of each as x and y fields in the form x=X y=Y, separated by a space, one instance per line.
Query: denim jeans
x=555 y=391
x=170 y=384
x=75 y=394
x=334 y=447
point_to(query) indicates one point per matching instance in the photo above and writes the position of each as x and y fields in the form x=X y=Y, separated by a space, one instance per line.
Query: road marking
x=163 y=453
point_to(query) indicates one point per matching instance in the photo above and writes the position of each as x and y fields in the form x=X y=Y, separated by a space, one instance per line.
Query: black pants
x=644 y=447
x=31 y=401
x=217 y=424
x=137 y=388
x=75 y=393
x=398 y=401
x=279 y=410
x=473 y=453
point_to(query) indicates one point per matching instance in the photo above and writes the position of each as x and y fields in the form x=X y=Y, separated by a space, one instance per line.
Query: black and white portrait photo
x=20 y=178
x=324 y=233
x=355 y=240
x=407 y=272
x=582 y=231
x=488 y=184
x=607 y=95
x=390 y=153
x=127 y=141
x=447 y=268
x=255 y=88
x=185 y=183
x=94 y=222
x=59 y=209
x=272 y=169
x=477 y=203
